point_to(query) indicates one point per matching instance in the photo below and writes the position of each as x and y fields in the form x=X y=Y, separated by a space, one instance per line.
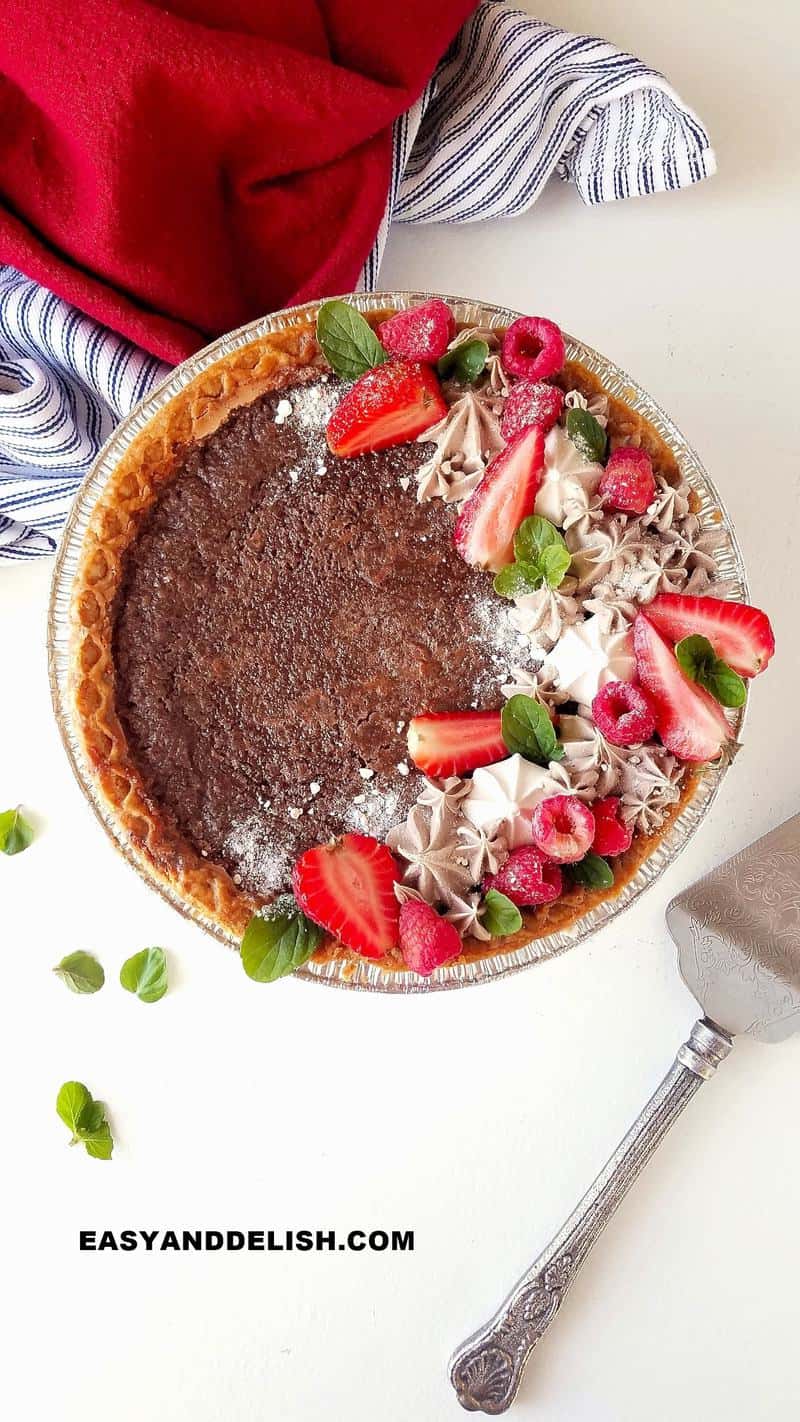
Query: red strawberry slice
x=689 y=721
x=426 y=940
x=485 y=528
x=390 y=404
x=453 y=742
x=347 y=886
x=740 y=634
x=423 y=333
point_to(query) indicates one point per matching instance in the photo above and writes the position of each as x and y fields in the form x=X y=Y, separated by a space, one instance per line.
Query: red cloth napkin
x=177 y=170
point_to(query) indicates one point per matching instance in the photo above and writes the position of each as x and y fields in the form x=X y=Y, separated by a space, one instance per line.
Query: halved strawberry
x=740 y=634
x=390 y=404
x=485 y=528
x=453 y=742
x=347 y=886
x=689 y=721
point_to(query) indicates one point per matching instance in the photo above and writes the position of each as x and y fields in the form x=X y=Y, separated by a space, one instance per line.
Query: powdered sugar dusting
x=314 y=404
x=487 y=621
x=262 y=864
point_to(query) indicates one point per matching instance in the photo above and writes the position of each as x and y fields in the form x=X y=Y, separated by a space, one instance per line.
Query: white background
x=477 y=1117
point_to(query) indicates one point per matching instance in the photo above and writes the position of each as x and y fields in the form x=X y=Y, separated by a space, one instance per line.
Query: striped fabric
x=513 y=102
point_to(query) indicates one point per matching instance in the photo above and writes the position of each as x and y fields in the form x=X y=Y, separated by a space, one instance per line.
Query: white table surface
x=476 y=1117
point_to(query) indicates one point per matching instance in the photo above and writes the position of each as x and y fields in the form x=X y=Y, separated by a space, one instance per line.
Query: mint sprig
x=528 y=731
x=697 y=658
x=15 y=832
x=348 y=342
x=592 y=872
x=86 y=1119
x=541 y=557
x=465 y=362
x=277 y=940
x=81 y=972
x=145 y=974
x=587 y=435
x=500 y=916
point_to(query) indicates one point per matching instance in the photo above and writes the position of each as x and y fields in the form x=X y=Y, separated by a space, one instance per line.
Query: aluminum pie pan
x=364 y=975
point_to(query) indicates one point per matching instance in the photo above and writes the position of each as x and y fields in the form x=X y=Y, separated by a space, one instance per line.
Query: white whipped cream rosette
x=587 y=657
x=503 y=796
x=568 y=481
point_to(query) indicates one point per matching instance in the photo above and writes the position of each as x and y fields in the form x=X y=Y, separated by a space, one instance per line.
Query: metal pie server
x=738 y=937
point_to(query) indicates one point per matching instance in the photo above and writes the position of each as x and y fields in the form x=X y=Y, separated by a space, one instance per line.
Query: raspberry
x=611 y=834
x=527 y=878
x=563 y=828
x=628 y=482
x=533 y=348
x=531 y=402
x=623 y=713
x=423 y=333
x=426 y=940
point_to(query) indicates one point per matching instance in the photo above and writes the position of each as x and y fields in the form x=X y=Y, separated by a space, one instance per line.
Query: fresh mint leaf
x=145 y=974
x=86 y=1119
x=81 y=972
x=699 y=661
x=15 y=832
x=500 y=917
x=528 y=731
x=591 y=871
x=517 y=579
x=277 y=940
x=464 y=362
x=725 y=685
x=541 y=556
x=587 y=435
x=91 y=1119
x=554 y=562
x=73 y=1102
x=348 y=342
x=695 y=656
x=533 y=536
x=99 y=1143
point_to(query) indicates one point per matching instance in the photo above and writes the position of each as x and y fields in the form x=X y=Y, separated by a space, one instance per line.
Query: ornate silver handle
x=487 y=1369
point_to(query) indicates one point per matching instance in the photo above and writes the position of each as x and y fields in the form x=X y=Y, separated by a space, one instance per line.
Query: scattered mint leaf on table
x=528 y=731
x=81 y=972
x=348 y=342
x=72 y=1103
x=591 y=871
x=99 y=1143
x=277 y=940
x=464 y=362
x=86 y=1119
x=587 y=435
x=15 y=832
x=145 y=974
x=500 y=915
x=540 y=556
x=697 y=658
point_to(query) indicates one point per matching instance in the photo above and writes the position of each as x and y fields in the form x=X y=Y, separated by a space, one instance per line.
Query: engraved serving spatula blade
x=738 y=937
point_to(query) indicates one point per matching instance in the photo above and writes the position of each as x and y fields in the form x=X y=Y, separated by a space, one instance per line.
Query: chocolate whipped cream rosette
x=400 y=641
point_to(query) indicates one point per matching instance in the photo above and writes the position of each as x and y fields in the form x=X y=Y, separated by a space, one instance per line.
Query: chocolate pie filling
x=281 y=613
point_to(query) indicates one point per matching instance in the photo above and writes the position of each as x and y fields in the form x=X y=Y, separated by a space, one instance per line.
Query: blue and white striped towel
x=513 y=102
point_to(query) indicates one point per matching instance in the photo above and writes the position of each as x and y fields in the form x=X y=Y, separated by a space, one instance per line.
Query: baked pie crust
x=267 y=364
